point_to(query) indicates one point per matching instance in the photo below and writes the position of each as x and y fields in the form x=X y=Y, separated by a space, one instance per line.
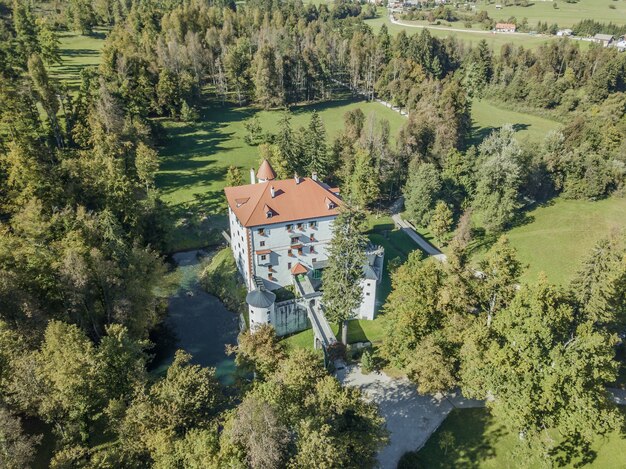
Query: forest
x=84 y=232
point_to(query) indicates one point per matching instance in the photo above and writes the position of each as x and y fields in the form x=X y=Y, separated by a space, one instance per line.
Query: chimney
x=314 y=175
x=297 y=178
x=273 y=192
x=252 y=176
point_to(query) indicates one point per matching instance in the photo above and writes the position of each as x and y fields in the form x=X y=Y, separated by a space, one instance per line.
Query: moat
x=200 y=323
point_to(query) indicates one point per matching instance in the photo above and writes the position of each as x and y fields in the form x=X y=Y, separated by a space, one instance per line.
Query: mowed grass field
x=560 y=235
x=495 y=41
x=565 y=15
x=196 y=156
x=482 y=443
x=487 y=117
x=77 y=53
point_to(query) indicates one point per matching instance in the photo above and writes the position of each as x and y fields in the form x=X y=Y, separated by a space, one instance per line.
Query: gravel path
x=411 y=418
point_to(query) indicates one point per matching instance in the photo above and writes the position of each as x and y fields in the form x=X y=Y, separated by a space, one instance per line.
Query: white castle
x=279 y=234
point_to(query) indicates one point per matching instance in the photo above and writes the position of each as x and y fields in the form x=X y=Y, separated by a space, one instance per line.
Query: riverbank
x=201 y=324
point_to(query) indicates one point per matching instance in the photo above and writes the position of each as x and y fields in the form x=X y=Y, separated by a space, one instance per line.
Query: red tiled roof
x=266 y=171
x=505 y=26
x=263 y=251
x=291 y=202
x=299 y=269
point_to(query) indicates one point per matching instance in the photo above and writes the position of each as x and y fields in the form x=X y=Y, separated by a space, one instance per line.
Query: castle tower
x=265 y=172
x=261 y=307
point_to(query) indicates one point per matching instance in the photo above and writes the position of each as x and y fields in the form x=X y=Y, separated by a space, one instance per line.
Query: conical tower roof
x=266 y=172
x=260 y=298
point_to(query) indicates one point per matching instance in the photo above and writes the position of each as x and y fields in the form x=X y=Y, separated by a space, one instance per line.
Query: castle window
x=263 y=257
x=270 y=276
x=313 y=224
x=262 y=243
x=262 y=231
x=289 y=265
x=300 y=226
x=314 y=259
x=289 y=227
x=295 y=240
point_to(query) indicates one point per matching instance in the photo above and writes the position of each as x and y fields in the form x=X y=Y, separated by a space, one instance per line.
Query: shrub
x=367 y=362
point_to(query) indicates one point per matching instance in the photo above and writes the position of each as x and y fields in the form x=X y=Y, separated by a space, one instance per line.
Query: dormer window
x=268 y=211
x=330 y=204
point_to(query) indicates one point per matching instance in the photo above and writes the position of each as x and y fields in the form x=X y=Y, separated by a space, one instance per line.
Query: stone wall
x=289 y=317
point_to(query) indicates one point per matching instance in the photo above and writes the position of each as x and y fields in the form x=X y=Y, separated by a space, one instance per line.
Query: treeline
x=540 y=355
x=108 y=412
x=593 y=27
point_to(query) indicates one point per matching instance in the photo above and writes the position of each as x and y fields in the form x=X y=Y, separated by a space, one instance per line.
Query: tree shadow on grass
x=474 y=440
x=356 y=332
x=478 y=134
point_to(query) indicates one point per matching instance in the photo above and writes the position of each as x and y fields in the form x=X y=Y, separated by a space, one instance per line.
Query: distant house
x=498 y=7
x=605 y=39
x=620 y=44
x=564 y=32
x=505 y=28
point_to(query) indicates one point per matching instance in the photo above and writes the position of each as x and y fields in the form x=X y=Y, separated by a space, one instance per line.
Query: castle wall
x=289 y=317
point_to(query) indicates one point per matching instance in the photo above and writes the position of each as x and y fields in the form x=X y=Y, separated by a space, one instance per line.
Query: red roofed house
x=505 y=27
x=280 y=231
x=277 y=225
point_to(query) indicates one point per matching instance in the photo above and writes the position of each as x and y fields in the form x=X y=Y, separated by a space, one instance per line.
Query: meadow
x=565 y=14
x=487 y=117
x=480 y=442
x=77 y=53
x=555 y=238
x=470 y=39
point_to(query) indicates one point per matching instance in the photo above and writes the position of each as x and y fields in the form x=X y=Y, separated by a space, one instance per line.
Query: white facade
x=368 y=305
x=239 y=243
x=270 y=251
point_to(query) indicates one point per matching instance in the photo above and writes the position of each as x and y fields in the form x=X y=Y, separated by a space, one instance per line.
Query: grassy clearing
x=196 y=156
x=482 y=443
x=77 y=53
x=487 y=117
x=557 y=237
x=566 y=15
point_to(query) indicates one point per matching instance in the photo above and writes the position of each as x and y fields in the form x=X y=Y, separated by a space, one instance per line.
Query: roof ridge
x=258 y=200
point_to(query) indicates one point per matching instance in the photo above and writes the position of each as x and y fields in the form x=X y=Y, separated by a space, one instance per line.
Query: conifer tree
x=315 y=150
x=342 y=277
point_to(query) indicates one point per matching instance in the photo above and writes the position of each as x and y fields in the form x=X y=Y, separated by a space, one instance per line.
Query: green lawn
x=481 y=443
x=566 y=15
x=195 y=157
x=78 y=52
x=359 y=330
x=487 y=117
x=558 y=236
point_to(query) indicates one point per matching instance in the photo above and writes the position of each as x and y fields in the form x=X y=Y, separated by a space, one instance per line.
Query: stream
x=200 y=323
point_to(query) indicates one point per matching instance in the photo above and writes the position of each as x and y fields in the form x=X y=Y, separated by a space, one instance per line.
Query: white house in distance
x=280 y=230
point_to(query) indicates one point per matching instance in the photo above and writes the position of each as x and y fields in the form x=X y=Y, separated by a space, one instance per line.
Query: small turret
x=261 y=307
x=266 y=172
